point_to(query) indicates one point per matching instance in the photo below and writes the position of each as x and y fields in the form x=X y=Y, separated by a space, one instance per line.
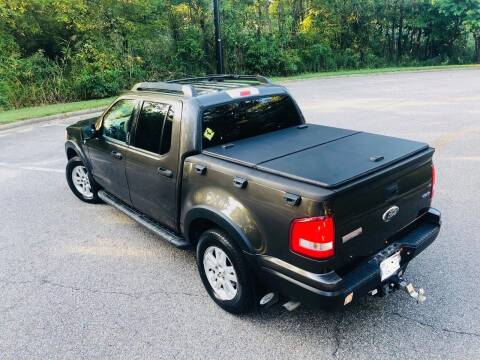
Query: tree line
x=67 y=50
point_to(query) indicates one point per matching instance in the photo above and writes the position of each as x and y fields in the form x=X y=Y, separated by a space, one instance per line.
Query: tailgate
x=362 y=227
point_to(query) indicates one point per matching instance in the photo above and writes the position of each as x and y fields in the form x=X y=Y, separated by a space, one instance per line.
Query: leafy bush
x=4 y=95
x=319 y=57
x=99 y=84
x=349 y=59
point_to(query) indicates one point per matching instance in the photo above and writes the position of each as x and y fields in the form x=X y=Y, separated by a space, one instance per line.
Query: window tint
x=152 y=123
x=116 y=121
x=246 y=118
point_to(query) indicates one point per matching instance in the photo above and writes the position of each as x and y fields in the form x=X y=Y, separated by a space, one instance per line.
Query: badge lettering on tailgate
x=390 y=213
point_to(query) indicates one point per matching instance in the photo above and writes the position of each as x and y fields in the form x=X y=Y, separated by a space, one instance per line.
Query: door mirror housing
x=89 y=132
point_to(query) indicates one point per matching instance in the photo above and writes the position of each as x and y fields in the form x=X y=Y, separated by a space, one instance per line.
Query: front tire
x=224 y=272
x=81 y=182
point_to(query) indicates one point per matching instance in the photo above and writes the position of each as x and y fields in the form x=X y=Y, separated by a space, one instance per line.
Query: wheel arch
x=71 y=153
x=202 y=218
x=72 y=150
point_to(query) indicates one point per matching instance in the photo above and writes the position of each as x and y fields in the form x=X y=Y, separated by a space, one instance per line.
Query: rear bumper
x=330 y=290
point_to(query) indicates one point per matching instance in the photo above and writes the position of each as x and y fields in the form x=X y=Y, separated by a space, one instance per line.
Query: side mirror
x=89 y=132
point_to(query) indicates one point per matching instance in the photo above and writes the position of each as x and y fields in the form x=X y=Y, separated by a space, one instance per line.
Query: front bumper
x=330 y=290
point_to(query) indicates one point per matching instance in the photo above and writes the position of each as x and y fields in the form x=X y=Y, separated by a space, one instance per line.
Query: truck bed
x=318 y=155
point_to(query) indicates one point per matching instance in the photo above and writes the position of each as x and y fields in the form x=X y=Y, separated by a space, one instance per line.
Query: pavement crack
x=431 y=326
x=458 y=332
x=17 y=304
x=338 y=335
x=8 y=308
x=168 y=293
x=419 y=322
x=133 y=295
x=95 y=291
x=10 y=282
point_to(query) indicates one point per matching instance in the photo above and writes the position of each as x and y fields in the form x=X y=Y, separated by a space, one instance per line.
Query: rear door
x=108 y=149
x=152 y=161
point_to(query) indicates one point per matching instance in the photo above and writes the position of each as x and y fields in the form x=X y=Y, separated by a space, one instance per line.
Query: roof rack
x=199 y=85
x=219 y=77
x=186 y=90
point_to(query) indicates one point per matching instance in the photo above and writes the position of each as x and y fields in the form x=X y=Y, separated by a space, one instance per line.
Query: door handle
x=116 y=155
x=200 y=169
x=164 y=172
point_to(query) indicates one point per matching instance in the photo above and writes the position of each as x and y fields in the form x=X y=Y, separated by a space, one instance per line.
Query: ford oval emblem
x=390 y=213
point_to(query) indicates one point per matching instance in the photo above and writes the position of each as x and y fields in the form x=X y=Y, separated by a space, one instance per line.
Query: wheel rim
x=81 y=181
x=220 y=272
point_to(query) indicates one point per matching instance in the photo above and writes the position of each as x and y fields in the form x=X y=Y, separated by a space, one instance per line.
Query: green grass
x=11 y=116
x=372 y=71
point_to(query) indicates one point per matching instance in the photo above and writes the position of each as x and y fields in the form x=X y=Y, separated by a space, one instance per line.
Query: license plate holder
x=390 y=266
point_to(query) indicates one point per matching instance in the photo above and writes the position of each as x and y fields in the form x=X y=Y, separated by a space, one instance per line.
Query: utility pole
x=218 y=37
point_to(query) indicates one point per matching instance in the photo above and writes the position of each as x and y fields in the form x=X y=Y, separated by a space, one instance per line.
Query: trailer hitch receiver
x=417 y=294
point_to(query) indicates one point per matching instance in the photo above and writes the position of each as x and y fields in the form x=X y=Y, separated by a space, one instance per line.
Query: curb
x=51 y=118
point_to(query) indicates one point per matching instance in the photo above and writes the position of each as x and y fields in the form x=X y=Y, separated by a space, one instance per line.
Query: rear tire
x=224 y=272
x=81 y=182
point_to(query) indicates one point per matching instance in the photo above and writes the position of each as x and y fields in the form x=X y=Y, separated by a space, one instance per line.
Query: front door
x=152 y=161
x=108 y=149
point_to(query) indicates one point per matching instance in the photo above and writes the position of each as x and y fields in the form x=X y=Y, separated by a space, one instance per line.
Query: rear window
x=246 y=118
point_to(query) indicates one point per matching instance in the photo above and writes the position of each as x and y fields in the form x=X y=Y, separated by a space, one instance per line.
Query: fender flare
x=72 y=145
x=222 y=221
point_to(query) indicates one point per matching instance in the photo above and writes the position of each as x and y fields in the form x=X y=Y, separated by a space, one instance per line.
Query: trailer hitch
x=397 y=282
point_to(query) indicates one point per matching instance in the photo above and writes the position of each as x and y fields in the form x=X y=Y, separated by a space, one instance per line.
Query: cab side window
x=116 y=121
x=154 y=128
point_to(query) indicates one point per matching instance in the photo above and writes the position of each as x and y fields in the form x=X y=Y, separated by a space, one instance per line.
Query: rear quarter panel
x=258 y=210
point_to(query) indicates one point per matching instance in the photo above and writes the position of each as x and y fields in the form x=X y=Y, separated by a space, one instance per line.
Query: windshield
x=246 y=118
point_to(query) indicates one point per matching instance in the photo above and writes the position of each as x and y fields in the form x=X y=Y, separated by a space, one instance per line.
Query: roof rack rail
x=222 y=77
x=186 y=90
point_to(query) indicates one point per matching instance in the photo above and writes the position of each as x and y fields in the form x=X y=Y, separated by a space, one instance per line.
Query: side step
x=144 y=220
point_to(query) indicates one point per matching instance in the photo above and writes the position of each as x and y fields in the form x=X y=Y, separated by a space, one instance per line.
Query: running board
x=144 y=220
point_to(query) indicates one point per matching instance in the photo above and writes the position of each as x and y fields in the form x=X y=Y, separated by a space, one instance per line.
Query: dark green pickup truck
x=275 y=207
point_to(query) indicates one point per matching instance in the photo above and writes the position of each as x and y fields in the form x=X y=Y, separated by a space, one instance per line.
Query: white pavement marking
x=36 y=168
x=31 y=168
x=54 y=124
x=41 y=163
x=25 y=130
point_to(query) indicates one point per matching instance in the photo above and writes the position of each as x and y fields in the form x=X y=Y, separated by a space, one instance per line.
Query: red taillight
x=313 y=237
x=433 y=181
x=245 y=93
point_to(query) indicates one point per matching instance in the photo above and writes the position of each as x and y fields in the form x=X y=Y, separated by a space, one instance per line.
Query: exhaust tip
x=291 y=305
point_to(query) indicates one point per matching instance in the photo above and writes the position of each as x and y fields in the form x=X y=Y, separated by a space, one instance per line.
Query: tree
x=65 y=50
x=466 y=13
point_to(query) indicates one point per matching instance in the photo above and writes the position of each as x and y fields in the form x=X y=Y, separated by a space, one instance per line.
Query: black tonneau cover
x=319 y=155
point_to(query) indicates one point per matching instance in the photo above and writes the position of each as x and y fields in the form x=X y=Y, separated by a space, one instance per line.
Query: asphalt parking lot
x=82 y=281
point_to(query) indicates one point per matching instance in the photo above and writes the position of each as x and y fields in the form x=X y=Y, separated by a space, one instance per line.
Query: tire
x=80 y=180
x=242 y=299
